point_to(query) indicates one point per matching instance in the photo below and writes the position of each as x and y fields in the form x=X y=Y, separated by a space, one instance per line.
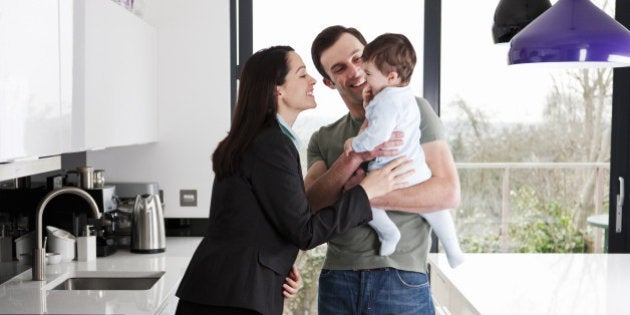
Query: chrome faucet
x=39 y=264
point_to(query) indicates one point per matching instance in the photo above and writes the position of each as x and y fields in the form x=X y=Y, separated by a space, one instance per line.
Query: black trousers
x=185 y=308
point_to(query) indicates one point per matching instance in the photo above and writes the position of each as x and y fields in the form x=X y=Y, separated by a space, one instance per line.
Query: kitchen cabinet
x=108 y=76
x=29 y=167
x=534 y=283
x=194 y=110
x=74 y=76
x=30 y=116
x=446 y=298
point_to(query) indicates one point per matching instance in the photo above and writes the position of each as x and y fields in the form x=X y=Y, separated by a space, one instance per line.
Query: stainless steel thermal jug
x=147 y=228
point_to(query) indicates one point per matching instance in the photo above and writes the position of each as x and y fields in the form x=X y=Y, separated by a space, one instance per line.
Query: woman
x=259 y=214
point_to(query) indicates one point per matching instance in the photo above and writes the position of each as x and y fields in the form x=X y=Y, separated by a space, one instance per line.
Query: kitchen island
x=493 y=284
x=21 y=295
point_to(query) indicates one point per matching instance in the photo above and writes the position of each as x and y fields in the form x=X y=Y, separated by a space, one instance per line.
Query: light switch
x=188 y=197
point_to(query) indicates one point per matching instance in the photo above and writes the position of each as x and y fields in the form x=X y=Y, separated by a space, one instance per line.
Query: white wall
x=193 y=102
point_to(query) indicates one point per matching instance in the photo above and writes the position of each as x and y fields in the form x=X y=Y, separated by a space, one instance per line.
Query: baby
x=388 y=62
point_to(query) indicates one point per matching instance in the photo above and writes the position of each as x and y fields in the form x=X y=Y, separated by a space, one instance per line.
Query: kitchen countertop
x=21 y=295
x=540 y=283
x=9 y=270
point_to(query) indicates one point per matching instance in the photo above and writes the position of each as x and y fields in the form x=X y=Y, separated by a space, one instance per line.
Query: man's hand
x=292 y=283
x=356 y=178
x=387 y=148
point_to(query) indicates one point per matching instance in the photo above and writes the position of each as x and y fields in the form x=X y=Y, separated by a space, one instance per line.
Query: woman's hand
x=347 y=146
x=292 y=283
x=390 y=177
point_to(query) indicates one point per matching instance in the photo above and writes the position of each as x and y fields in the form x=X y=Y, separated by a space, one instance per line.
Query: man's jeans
x=378 y=292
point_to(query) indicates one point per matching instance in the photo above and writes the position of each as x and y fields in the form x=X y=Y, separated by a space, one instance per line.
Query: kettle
x=147 y=227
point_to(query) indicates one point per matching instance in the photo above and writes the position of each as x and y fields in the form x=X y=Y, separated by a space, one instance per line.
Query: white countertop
x=21 y=295
x=541 y=283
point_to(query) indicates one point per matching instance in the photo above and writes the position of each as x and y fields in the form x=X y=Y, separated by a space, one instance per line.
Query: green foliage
x=309 y=264
x=478 y=232
x=534 y=227
x=542 y=228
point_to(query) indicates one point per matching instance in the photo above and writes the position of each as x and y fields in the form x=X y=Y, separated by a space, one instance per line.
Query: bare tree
x=575 y=128
x=579 y=104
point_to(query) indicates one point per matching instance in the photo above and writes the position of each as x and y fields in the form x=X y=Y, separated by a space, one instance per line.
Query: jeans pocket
x=325 y=273
x=412 y=279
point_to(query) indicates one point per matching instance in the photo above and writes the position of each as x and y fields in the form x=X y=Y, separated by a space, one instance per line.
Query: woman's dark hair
x=256 y=106
x=325 y=39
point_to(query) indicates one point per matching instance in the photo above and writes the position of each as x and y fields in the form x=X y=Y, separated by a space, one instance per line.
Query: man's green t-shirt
x=358 y=248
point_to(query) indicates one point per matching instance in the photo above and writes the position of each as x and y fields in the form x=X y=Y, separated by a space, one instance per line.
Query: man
x=355 y=279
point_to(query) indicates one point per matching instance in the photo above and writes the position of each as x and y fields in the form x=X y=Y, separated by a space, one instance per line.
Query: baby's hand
x=363 y=126
x=367 y=96
x=347 y=146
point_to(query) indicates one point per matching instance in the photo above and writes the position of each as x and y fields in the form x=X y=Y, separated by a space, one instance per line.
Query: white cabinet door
x=29 y=79
x=114 y=77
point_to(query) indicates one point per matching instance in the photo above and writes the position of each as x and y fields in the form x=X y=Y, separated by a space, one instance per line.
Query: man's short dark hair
x=326 y=38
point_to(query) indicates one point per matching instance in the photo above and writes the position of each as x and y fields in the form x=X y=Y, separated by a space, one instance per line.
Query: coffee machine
x=93 y=182
x=105 y=240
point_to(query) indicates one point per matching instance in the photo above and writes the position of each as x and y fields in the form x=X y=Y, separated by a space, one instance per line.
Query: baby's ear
x=392 y=77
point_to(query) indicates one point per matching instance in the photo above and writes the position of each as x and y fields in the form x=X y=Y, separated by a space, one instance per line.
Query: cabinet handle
x=620 y=197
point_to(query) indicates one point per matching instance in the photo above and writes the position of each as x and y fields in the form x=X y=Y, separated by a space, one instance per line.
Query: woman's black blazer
x=259 y=218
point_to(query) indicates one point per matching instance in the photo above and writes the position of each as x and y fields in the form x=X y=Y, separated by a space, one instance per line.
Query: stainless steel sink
x=98 y=282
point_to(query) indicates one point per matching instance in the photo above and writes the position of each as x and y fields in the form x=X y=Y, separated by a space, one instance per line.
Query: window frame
x=619 y=242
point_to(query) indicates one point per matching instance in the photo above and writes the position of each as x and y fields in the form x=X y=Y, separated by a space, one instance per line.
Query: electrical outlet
x=187 y=197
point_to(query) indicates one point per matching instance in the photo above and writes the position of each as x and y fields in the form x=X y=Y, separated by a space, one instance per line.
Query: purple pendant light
x=572 y=33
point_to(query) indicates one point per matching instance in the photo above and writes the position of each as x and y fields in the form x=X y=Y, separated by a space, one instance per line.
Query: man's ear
x=329 y=83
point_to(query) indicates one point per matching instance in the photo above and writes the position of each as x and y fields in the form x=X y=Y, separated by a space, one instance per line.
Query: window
x=532 y=144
